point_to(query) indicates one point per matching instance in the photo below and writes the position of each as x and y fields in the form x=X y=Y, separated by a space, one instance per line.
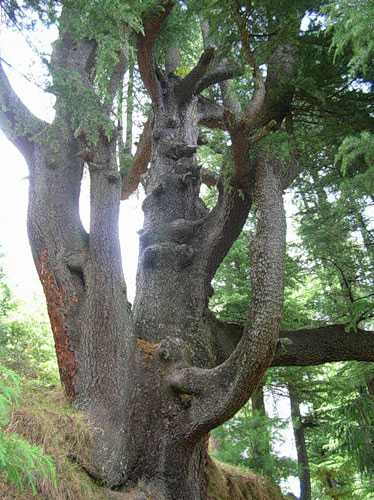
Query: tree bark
x=305 y=347
x=302 y=452
x=153 y=379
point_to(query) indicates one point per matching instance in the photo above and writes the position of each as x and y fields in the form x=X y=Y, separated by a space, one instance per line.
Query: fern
x=21 y=463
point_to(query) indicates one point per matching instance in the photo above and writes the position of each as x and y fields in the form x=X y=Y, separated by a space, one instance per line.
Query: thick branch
x=255 y=105
x=314 y=346
x=218 y=393
x=305 y=347
x=131 y=179
x=190 y=83
x=279 y=87
x=228 y=217
x=220 y=73
x=224 y=225
x=16 y=120
x=145 y=45
x=210 y=114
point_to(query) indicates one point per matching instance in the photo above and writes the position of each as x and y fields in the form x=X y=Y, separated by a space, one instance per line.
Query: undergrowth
x=22 y=463
x=45 y=421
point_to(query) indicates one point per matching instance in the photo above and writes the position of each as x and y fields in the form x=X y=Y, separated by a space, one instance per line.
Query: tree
x=155 y=377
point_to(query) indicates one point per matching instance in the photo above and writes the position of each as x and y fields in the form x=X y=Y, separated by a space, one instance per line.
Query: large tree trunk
x=115 y=363
x=154 y=378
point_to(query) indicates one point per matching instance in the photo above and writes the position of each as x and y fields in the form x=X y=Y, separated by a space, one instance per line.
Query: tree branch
x=228 y=217
x=305 y=347
x=279 y=87
x=142 y=157
x=314 y=346
x=211 y=114
x=187 y=87
x=219 y=392
x=145 y=44
x=16 y=120
x=224 y=225
x=220 y=73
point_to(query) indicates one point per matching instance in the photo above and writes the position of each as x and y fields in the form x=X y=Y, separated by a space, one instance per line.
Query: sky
x=17 y=260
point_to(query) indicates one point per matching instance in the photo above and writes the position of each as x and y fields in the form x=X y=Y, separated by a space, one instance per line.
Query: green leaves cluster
x=352 y=23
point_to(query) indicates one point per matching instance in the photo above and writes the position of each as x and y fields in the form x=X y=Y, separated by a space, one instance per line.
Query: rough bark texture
x=154 y=379
x=305 y=347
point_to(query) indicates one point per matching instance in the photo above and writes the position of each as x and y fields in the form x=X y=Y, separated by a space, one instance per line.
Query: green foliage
x=24 y=346
x=278 y=143
x=356 y=157
x=6 y=303
x=109 y=24
x=24 y=464
x=352 y=24
x=244 y=441
x=21 y=463
x=10 y=388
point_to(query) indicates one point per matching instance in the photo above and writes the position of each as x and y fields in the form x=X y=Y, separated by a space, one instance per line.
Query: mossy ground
x=45 y=418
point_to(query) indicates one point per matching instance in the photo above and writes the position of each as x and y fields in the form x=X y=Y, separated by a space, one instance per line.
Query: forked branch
x=145 y=44
x=140 y=161
x=190 y=83
x=219 y=392
x=205 y=74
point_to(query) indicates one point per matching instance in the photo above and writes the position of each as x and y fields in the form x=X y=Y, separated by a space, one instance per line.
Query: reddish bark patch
x=55 y=297
x=148 y=348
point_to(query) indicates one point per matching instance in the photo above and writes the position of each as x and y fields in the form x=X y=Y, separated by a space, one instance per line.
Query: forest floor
x=44 y=418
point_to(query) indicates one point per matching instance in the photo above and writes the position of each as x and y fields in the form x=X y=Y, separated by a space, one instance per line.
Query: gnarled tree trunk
x=156 y=377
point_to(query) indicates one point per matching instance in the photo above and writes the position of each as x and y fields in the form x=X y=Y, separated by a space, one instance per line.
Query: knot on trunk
x=177 y=151
x=178 y=231
x=113 y=177
x=158 y=255
x=166 y=254
x=185 y=255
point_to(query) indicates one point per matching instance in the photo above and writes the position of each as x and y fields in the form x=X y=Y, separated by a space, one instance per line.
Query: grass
x=234 y=483
x=44 y=418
